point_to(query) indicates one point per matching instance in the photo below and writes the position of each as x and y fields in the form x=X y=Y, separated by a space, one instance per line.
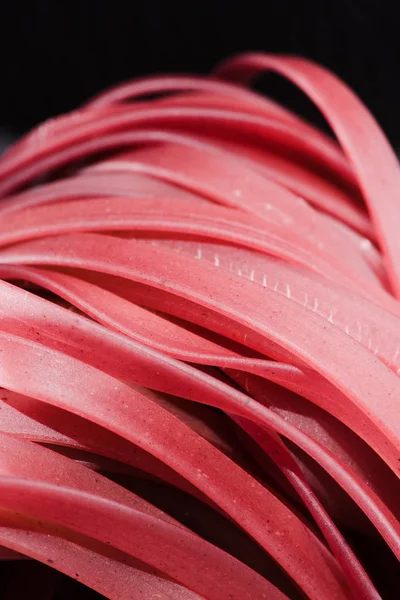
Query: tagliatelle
x=198 y=290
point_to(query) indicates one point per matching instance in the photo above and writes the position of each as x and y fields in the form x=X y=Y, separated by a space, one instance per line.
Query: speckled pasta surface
x=200 y=344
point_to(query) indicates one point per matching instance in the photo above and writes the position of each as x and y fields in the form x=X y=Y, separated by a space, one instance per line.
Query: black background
x=55 y=54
